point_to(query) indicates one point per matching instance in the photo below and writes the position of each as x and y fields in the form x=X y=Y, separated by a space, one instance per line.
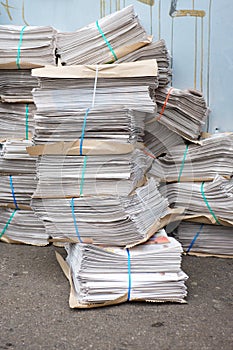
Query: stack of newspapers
x=196 y=162
x=108 y=275
x=182 y=111
x=18 y=223
x=203 y=239
x=27 y=46
x=157 y=50
x=92 y=188
x=21 y=48
x=104 y=41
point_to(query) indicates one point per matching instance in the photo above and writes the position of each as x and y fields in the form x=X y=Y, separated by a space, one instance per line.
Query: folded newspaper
x=21 y=226
x=103 y=41
x=182 y=111
x=159 y=139
x=205 y=240
x=16 y=85
x=14 y=159
x=101 y=276
x=26 y=46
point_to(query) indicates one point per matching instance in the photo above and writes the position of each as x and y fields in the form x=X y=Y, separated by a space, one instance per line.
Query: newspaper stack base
x=102 y=276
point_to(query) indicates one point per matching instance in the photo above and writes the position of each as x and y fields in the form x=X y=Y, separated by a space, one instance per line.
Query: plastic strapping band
x=83 y=176
x=13 y=192
x=74 y=219
x=129 y=274
x=183 y=161
x=207 y=203
x=165 y=104
x=194 y=238
x=19 y=47
x=8 y=223
x=83 y=132
x=86 y=114
x=106 y=41
x=26 y=121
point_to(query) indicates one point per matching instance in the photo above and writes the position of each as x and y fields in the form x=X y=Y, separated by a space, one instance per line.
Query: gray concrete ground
x=35 y=313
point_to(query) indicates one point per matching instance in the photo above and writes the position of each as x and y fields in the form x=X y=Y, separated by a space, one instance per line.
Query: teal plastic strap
x=106 y=41
x=19 y=47
x=8 y=223
x=183 y=161
x=207 y=203
x=26 y=121
x=83 y=175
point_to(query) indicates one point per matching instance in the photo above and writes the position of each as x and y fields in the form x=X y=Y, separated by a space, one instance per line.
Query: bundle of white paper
x=114 y=123
x=203 y=162
x=16 y=120
x=16 y=85
x=108 y=219
x=14 y=158
x=159 y=139
x=207 y=239
x=213 y=198
x=103 y=41
x=182 y=111
x=22 y=226
x=65 y=89
x=101 y=274
x=68 y=176
x=26 y=47
x=23 y=188
x=157 y=50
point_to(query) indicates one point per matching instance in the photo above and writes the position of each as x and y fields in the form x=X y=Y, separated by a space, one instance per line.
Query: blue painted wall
x=201 y=46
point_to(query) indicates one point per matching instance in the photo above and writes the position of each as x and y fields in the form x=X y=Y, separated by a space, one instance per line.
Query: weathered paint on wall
x=197 y=32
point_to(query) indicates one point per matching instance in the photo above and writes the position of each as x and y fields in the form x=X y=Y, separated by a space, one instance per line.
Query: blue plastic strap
x=83 y=132
x=129 y=274
x=8 y=223
x=183 y=161
x=83 y=176
x=19 y=47
x=106 y=41
x=26 y=121
x=13 y=192
x=75 y=221
x=194 y=238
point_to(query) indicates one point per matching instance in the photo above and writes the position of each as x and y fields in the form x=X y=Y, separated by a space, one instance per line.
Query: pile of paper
x=16 y=85
x=159 y=139
x=213 y=200
x=196 y=162
x=113 y=220
x=155 y=50
x=16 y=120
x=26 y=47
x=202 y=239
x=63 y=176
x=21 y=226
x=110 y=275
x=182 y=111
x=103 y=41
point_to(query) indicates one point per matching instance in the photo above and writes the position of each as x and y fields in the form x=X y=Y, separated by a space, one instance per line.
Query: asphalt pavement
x=35 y=313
